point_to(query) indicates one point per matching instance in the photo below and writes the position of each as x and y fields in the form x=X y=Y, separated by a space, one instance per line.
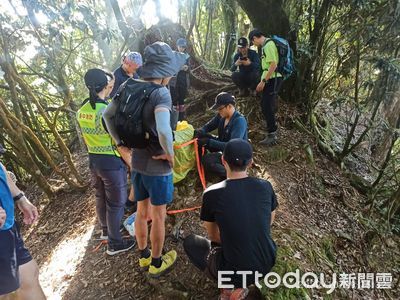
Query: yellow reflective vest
x=96 y=138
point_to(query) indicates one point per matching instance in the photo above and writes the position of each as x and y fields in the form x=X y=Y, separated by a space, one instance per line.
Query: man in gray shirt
x=152 y=166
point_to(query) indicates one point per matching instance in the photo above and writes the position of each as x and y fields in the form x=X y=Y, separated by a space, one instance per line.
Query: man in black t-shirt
x=237 y=214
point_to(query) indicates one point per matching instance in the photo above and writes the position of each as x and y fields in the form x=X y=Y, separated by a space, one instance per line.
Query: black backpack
x=131 y=97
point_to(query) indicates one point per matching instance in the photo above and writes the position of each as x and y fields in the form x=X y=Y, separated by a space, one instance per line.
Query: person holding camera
x=248 y=62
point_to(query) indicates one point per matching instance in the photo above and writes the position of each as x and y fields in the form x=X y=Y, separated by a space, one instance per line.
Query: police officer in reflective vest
x=107 y=169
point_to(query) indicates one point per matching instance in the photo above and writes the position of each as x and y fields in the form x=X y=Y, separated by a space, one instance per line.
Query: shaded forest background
x=347 y=82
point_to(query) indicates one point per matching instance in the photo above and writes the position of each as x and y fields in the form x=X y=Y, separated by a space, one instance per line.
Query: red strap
x=104 y=242
x=200 y=170
x=184 y=144
x=177 y=211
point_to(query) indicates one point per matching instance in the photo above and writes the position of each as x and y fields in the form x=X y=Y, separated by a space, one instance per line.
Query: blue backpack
x=285 y=53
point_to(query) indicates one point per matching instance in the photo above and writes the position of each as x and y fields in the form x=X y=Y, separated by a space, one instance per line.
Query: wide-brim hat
x=160 y=61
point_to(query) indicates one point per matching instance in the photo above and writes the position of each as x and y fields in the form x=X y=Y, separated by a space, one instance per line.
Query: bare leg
x=30 y=288
x=11 y=296
x=141 y=231
x=157 y=232
x=131 y=196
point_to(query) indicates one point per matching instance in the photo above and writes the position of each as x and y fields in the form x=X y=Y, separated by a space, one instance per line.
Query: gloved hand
x=203 y=141
x=197 y=133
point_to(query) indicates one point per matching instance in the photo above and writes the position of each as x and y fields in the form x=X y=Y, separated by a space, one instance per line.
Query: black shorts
x=12 y=255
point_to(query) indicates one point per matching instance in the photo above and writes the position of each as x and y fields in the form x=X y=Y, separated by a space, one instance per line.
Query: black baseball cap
x=255 y=32
x=223 y=99
x=2 y=150
x=242 y=42
x=238 y=152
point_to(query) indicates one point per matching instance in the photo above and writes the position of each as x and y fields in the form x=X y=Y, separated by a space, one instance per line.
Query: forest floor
x=319 y=227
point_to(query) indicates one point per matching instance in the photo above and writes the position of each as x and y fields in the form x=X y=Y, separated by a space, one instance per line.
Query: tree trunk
x=389 y=90
x=229 y=13
x=158 y=9
x=123 y=27
x=193 y=19
x=207 y=40
x=308 y=64
x=267 y=15
x=22 y=152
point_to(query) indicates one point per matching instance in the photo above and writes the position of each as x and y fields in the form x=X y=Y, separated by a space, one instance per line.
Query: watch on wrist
x=264 y=80
x=18 y=197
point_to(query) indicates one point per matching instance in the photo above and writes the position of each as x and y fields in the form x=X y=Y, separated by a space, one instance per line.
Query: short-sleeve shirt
x=242 y=210
x=6 y=200
x=142 y=160
x=269 y=54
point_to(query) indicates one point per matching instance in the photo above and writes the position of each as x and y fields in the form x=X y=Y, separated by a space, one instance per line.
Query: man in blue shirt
x=230 y=124
x=130 y=64
x=18 y=271
x=248 y=62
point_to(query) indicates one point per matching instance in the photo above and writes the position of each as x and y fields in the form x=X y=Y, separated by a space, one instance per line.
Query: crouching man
x=237 y=214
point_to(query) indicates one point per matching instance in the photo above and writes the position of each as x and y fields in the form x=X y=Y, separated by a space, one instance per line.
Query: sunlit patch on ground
x=56 y=274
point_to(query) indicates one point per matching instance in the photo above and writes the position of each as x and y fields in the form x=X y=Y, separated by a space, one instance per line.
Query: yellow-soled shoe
x=144 y=263
x=167 y=262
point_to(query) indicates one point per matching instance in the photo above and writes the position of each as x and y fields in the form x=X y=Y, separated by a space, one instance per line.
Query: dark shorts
x=12 y=255
x=159 y=189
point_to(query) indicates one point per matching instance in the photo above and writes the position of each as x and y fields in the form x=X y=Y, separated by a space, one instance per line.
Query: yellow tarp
x=185 y=157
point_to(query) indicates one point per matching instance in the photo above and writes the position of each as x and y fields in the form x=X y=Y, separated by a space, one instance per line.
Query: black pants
x=212 y=164
x=178 y=94
x=206 y=258
x=246 y=79
x=268 y=102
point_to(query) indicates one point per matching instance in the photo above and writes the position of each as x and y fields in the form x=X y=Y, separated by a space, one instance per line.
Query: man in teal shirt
x=270 y=83
x=18 y=271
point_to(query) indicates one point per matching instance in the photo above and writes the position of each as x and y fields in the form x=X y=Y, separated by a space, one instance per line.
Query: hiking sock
x=145 y=253
x=156 y=261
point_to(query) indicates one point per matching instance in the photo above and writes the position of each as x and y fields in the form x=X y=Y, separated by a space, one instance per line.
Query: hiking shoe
x=104 y=235
x=167 y=261
x=270 y=140
x=236 y=294
x=122 y=247
x=144 y=263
